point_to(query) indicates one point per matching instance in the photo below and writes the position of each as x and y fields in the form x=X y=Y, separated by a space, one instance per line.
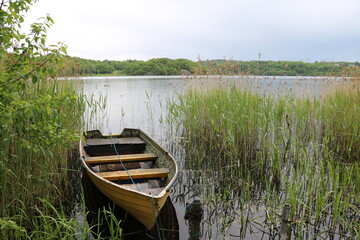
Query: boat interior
x=125 y=161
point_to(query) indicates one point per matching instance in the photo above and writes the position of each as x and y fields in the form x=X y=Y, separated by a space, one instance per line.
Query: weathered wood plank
x=135 y=174
x=111 y=141
x=113 y=146
x=124 y=158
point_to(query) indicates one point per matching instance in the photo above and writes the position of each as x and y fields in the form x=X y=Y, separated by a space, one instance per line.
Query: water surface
x=140 y=102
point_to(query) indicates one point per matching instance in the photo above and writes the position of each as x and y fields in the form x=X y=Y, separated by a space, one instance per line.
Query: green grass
x=266 y=151
x=53 y=223
x=42 y=125
x=37 y=166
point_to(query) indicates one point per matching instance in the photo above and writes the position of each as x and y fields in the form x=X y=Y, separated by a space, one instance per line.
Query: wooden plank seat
x=124 y=158
x=135 y=174
x=113 y=146
x=111 y=141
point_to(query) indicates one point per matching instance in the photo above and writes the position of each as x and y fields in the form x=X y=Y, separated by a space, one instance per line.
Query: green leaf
x=51 y=71
x=64 y=50
x=50 y=19
x=34 y=78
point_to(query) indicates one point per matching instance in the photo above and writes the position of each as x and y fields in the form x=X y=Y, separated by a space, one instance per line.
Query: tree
x=38 y=118
x=25 y=59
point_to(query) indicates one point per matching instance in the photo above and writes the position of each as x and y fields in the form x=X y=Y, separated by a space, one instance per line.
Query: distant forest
x=166 y=66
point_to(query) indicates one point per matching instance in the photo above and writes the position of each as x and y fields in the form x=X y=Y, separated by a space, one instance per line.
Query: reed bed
x=265 y=151
x=40 y=187
x=42 y=125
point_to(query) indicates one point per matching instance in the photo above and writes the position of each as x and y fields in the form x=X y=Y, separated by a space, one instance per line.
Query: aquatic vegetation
x=43 y=127
x=40 y=119
x=51 y=222
x=265 y=150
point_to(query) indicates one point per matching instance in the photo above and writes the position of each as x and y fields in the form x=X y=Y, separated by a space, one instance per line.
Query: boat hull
x=143 y=208
x=140 y=203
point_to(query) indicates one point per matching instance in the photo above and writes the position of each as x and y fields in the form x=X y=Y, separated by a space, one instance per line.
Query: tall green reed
x=52 y=222
x=303 y=151
x=44 y=123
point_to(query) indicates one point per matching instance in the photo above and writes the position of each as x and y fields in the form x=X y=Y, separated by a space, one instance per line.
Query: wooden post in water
x=284 y=228
x=194 y=214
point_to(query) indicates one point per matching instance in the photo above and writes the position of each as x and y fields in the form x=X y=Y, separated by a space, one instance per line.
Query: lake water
x=135 y=102
x=140 y=102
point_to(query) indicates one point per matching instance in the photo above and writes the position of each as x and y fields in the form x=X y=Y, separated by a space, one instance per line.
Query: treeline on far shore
x=152 y=67
x=166 y=66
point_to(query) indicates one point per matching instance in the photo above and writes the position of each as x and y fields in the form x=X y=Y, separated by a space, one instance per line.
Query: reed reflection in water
x=236 y=203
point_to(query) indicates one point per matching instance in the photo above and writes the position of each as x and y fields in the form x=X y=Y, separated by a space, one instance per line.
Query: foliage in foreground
x=39 y=123
x=51 y=223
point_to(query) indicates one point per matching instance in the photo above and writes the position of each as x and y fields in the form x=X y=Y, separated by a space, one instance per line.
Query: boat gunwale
x=168 y=157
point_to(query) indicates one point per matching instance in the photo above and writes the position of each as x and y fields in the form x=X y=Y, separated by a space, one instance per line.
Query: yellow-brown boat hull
x=142 y=205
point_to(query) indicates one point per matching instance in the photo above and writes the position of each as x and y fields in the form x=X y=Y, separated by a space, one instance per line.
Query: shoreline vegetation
x=306 y=150
x=254 y=153
x=40 y=124
x=170 y=67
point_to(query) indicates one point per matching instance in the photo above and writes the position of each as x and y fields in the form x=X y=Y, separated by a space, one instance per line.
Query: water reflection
x=132 y=102
x=141 y=103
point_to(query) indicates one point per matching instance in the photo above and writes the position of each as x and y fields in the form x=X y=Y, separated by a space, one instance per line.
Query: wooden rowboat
x=131 y=170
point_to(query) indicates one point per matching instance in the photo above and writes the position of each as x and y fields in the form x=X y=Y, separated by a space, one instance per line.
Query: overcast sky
x=296 y=30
